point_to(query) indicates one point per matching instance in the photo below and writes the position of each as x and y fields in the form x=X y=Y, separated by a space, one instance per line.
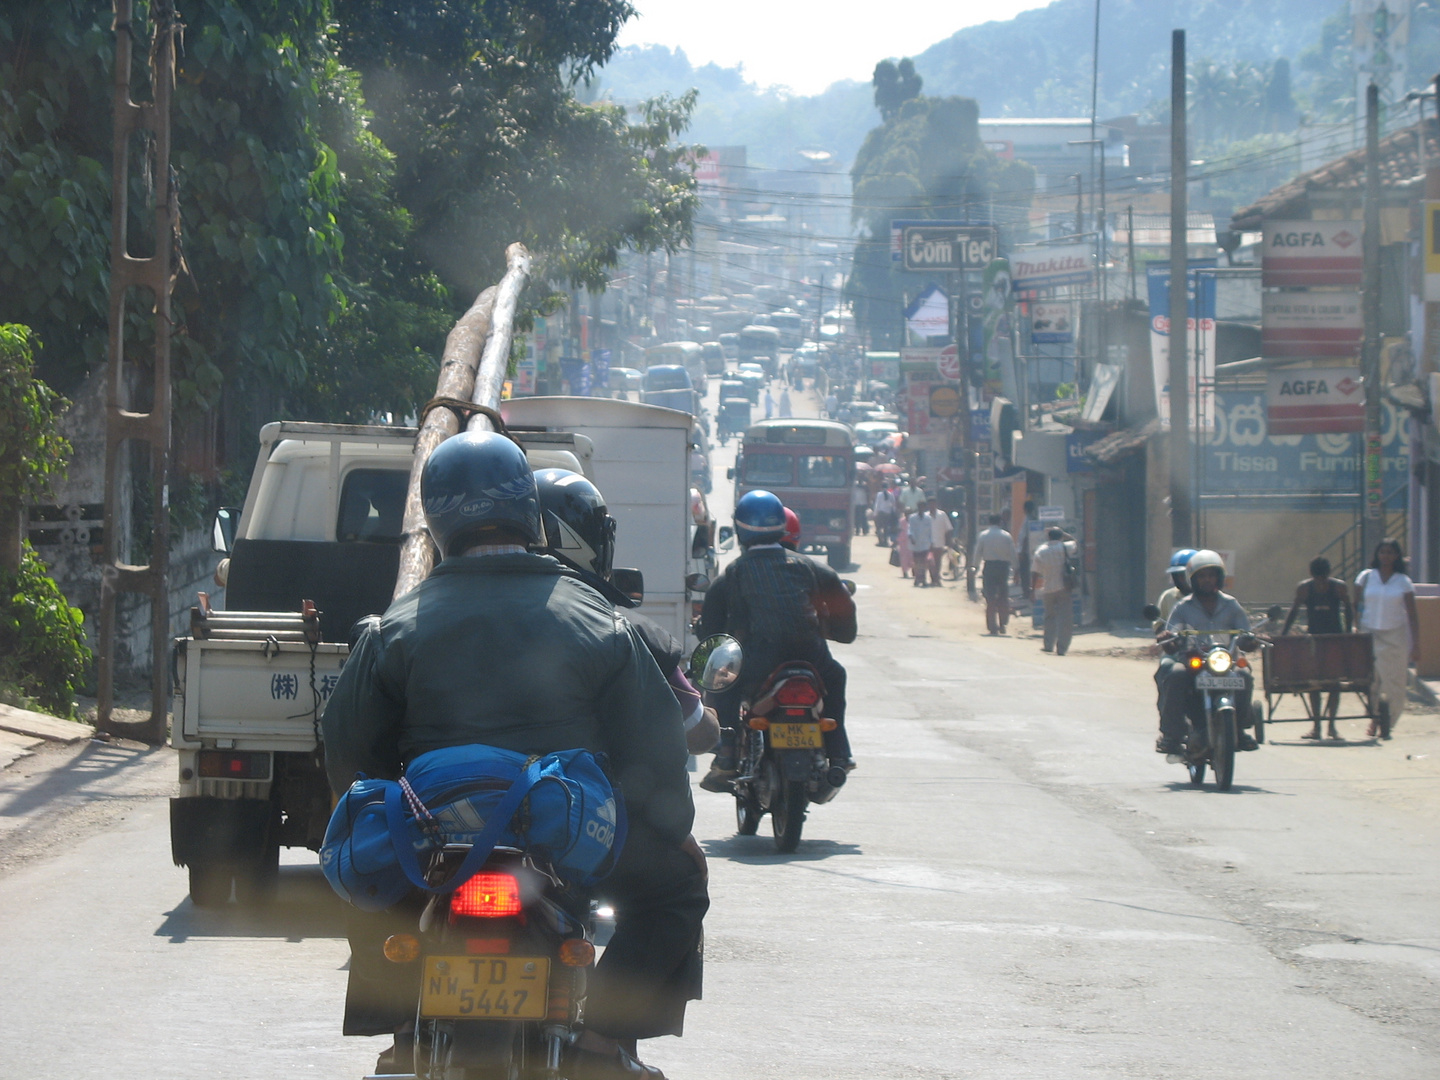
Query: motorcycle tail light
x=797 y=692
x=487 y=946
x=487 y=896
x=1197 y=662
x=576 y=952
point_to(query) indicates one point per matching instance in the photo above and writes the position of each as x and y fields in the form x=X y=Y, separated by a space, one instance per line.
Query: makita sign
x=1051 y=265
x=944 y=247
x=1313 y=401
x=1299 y=253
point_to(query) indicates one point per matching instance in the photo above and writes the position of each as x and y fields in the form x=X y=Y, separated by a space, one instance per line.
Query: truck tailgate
x=254 y=696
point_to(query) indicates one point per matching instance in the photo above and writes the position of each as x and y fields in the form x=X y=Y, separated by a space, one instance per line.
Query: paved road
x=1012 y=885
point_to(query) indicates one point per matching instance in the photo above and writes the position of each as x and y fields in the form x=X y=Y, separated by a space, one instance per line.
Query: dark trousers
x=1181 y=704
x=760 y=663
x=995 y=582
x=639 y=989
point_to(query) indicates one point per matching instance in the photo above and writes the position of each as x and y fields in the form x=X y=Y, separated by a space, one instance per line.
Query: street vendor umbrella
x=864 y=466
x=888 y=469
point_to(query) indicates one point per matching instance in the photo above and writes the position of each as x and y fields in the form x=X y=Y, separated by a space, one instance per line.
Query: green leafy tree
x=477 y=100
x=927 y=162
x=33 y=453
x=42 y=640
x=894 y=85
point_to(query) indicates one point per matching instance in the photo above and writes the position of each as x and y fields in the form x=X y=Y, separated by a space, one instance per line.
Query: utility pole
x=1130 y=245
x=1181 y=526
x=1372 y=522
x=1430 y=344
x=122 y=423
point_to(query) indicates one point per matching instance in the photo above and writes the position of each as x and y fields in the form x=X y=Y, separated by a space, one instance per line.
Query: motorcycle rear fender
x=795 y=764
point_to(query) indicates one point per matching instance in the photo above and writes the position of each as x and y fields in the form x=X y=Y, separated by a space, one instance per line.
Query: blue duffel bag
x=560 y=806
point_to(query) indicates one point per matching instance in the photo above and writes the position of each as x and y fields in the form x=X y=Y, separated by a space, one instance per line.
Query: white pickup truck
x=322 y=524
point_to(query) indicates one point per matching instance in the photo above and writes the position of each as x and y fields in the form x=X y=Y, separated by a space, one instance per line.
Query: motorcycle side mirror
x=629 y=581
x=222 y=538
x=727 y=538
x=715 y=663
x=849 y=585
x=697 y=582
x=1150 y=611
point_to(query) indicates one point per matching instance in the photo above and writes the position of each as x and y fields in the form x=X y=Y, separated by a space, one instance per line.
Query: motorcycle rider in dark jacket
x=781 y=606
x=502 y=647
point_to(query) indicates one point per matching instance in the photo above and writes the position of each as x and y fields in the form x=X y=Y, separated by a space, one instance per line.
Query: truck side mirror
x=697 y=582
x=730 y=474
x=727 y=538
x=222 y=535
x=629 y=581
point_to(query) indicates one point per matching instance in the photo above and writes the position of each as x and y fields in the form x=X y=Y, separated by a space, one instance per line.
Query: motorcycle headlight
x=1218 y=661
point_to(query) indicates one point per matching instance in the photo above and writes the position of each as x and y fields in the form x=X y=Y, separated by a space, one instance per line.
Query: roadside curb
x=39 y=726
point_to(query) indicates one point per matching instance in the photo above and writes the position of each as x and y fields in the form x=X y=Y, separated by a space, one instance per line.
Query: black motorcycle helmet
x=474 y=483
x=579 y=530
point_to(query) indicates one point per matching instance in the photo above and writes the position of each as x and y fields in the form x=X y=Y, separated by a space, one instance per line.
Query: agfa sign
x=1314 y=401
x=1299 y=253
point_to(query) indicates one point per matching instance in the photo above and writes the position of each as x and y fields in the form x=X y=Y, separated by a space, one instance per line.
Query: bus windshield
x=769 y=470
x=823 y=471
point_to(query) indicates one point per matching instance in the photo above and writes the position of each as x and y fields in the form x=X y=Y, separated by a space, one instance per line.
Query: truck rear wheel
x=210 y=884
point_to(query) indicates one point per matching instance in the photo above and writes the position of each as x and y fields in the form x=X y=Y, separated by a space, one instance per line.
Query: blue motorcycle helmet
x=759 y=518
x=474 y=483
x=1178 y=562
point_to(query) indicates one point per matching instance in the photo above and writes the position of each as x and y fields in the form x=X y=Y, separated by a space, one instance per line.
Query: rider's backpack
x=383 y=832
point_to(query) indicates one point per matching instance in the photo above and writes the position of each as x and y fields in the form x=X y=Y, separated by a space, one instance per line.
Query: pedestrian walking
x=995 y=554
x=912 y=497
x=902 y=546
x=785 y=409
x=1052 y=571
x=918 y=525
x=1385 y=597
x=1327 y=611
x=886 y=516
x=939 y=538
x=860 y=505
x=1024 y=552
x=769 y=404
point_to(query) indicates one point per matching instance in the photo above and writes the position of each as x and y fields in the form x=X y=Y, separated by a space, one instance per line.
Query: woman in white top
x=1385 y=598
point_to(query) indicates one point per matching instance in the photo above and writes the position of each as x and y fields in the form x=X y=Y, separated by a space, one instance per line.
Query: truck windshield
x=667 y=378
x=372 y=506
x=768 y=469
x=823 y=471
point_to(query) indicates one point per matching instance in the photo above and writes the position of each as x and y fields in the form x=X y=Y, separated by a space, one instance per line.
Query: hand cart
x=1307 y=664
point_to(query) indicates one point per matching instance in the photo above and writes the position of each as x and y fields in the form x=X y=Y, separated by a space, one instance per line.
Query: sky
x=807 y=45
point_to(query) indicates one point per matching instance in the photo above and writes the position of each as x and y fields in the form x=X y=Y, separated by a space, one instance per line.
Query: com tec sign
x=931 y=247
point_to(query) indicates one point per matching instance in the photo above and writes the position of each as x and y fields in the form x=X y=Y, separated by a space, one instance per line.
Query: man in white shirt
x=886 y=516
x=919 y=524
x=995 y=553
x=912 y=498
x=1054 y=590
x=939 y=537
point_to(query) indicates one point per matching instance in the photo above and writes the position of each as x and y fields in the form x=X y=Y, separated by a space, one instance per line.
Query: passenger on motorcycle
x=1179 y=585
x=791 y=539
x=505 y=648
x=780 y=606
x=580 y=533
x=1205 y=610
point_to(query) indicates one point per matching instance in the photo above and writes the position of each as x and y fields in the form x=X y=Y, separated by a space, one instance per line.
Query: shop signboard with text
x=1305 y=253
x=1311 y=323
x=1200 y=338
x=1051 y=265
x=1309 y=401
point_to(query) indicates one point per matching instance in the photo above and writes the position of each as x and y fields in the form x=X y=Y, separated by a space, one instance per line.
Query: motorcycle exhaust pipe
x=836 y=776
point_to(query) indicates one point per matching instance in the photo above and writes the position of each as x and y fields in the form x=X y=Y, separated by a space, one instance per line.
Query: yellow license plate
x=796 y=737
x=485 y=987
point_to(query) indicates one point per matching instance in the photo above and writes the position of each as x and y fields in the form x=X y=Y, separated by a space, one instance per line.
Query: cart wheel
x=1257 y=715
x=1382 y=718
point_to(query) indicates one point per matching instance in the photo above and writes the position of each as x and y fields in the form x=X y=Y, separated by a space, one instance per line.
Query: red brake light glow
x=487 y=896
x=797 y=692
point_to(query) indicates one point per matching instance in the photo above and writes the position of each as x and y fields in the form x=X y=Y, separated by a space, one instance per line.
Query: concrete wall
x=1272 y=551
x=67 y=535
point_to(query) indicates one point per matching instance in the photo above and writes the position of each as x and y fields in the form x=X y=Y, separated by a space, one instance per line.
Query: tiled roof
x=1126 y=441
x=1400 y=172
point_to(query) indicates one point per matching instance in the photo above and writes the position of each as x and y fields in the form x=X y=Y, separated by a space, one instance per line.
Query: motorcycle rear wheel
x=1222 y=749
x=787 y=815
x=747 y=812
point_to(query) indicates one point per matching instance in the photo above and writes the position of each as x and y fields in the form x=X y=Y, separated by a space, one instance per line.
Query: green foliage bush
x=42 y=638
x=32 y=450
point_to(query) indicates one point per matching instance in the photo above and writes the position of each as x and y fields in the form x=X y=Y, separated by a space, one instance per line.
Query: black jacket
x=772 y=599
x=509 y=651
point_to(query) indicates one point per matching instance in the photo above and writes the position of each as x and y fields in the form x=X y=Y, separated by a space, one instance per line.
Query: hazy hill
x=1038 y=63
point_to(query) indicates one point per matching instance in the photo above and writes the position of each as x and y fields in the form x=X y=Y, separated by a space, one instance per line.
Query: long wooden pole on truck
x=466 y=378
